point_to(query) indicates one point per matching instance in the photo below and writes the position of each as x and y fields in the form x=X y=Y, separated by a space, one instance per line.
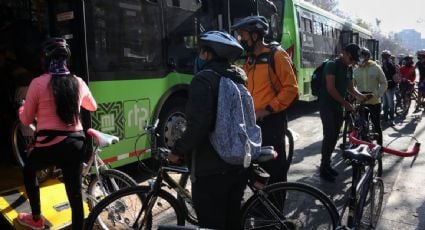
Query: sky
x=395 y=15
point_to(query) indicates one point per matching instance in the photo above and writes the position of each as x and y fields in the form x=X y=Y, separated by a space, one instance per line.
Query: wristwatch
x=269 y=108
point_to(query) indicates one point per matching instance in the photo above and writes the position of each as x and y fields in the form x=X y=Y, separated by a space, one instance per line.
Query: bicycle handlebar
x=413 y=152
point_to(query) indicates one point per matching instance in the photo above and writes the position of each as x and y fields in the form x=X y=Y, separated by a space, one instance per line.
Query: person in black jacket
x=390 y=71
x=217 y=187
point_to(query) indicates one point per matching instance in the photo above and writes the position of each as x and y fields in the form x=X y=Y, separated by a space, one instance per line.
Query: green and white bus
x=310 y=35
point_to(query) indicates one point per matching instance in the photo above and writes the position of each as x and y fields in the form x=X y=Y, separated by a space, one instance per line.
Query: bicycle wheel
x=289 y=205
x=21 y=138
x=121 y=210
x=187 y=207
x=289 y=145
x=373 y=206
x=112 y=180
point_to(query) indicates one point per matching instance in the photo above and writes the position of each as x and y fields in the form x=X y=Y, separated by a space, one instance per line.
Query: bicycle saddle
x=103 y=139
x=360 y=154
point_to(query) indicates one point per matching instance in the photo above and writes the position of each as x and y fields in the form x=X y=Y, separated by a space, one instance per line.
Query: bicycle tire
x=95 y=194
x=373 y=207
x=115 y=210
x=188 y=209
x=298 y=203
x=21 y=137
x=289 y=147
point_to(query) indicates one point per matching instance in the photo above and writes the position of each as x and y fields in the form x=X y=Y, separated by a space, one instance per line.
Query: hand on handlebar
x=173 y=158
x=348 y=106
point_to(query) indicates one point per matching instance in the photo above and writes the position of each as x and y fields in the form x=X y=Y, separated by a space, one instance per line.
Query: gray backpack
x=236 y=136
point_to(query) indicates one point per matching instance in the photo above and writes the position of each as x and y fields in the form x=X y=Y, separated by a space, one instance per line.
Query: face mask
x=247 y=47
x=361 y=60
x=198 y=65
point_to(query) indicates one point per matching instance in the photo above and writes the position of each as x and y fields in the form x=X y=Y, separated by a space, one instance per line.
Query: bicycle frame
x=359 y=185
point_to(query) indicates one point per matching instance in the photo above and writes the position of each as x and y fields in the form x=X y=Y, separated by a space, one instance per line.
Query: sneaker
x=326 y=175
x=27 y=220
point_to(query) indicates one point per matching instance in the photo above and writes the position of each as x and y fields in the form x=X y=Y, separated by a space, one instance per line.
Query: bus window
x=125 y=37
x=182 y=32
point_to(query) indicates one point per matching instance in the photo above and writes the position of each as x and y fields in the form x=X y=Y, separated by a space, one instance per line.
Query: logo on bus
x=108 y=118
x=136 y=114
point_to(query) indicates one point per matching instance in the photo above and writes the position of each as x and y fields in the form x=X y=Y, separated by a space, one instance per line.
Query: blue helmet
x=257 y=24
x=223 y=44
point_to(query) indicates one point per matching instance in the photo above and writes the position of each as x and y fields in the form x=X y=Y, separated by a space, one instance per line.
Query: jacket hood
x=225 y=69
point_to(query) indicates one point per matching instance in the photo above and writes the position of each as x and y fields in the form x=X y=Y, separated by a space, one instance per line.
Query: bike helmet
x=408 y=57
x=365 y=52
x=56 y=47
x=222 y=43
x=253 y=24
x=421 y=53
x=386 y=53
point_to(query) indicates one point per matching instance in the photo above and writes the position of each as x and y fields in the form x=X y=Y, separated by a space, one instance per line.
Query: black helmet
x=223 y=44
x=421 y=53
x=56 y=47
x=364 y=52
x=408 y=57
x=253 y=24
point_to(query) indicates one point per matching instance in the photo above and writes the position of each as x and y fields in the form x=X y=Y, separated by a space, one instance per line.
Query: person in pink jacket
x=54 y=100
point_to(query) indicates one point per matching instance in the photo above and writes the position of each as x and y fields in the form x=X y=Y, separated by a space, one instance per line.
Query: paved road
x=404 y=199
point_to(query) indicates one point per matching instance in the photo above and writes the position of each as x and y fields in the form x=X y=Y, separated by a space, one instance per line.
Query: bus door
x=346 y=37
x=355 y=38
x=373 y=46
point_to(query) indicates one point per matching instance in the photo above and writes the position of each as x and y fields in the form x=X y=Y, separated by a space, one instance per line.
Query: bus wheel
x=172 y=121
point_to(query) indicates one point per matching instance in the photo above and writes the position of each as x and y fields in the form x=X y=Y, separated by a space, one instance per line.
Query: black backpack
x=317 y=79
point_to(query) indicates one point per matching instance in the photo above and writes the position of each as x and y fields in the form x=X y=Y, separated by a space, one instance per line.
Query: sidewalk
x=405 y=207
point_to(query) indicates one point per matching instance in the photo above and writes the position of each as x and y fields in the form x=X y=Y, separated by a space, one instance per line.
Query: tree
x=328 y=5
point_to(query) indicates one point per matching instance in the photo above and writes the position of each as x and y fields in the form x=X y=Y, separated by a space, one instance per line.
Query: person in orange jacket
x=273 y=88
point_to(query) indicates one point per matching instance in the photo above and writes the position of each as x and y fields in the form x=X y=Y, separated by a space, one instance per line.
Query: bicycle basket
x=257 y=177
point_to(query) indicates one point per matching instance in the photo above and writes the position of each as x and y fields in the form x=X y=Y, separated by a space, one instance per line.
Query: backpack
x=317 y=79
x=269 y=59
x=236 y=136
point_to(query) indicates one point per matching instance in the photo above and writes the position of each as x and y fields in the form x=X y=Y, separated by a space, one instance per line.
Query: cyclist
x=420 y=65
x=390 y=71
x=370 y=78
x=408 y=76
x=338 y=80
x=217 y=187
x=54 y=99
x=272 y=88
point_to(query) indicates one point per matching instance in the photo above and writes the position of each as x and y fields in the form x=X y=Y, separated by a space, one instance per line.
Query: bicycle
x=142 y=199
x=407 y=93
x=184 y=179
x=144 y=207
x=359 y=119
x=97 y=183
x=367 y=188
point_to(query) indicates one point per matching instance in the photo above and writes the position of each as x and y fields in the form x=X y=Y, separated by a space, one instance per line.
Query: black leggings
x=67 y=155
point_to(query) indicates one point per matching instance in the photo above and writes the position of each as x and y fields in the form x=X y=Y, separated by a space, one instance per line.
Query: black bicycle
x=363 y=207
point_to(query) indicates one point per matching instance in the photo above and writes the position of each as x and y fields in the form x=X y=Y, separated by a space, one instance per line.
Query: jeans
x=388 y=104
x=332 y=120
x=375 y=117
